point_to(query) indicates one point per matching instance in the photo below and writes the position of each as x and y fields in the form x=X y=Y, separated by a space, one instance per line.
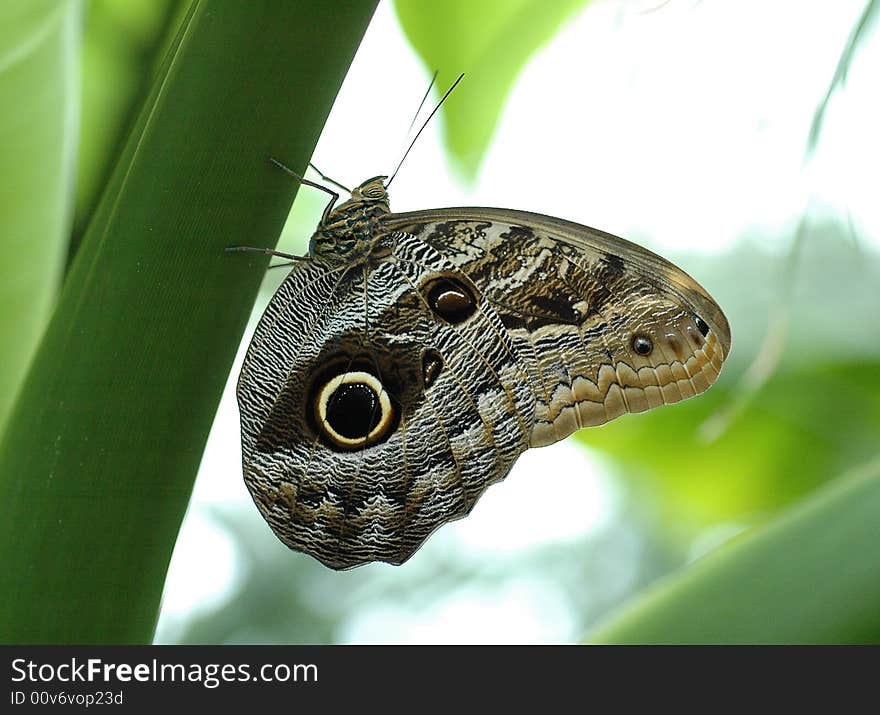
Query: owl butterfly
x=409 y=359
x=404 y=365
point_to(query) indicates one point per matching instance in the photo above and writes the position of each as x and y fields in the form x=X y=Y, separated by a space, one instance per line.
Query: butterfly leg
x=290 y=172
x=305 y=182
x=265 y=252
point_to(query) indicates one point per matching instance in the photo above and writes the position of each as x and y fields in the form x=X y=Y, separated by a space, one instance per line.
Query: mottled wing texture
x=577 y=303
x=487 y=331
x=463 y=406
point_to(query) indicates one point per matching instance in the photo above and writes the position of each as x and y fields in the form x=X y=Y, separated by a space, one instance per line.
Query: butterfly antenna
x=422 y=103
x=409 y=129
x=425 y=124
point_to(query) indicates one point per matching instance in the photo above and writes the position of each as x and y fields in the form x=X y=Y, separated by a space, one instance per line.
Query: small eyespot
x=353 y=410
x=673 y=342
x=642 y=345
x=432 y=364
x=450 y=299
x=701 y=326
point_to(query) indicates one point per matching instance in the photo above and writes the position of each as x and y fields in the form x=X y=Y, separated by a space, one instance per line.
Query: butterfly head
x=347 y=230
x=370 y=191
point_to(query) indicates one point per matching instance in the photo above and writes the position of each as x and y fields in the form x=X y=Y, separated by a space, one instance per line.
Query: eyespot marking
x=642 y=345
x=450 y=299
x=432 y=364
x=674 y=343
x=701 y=326
x=352 y=410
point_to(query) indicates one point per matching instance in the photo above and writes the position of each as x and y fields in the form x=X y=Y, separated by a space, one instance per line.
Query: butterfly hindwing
x=459 y=410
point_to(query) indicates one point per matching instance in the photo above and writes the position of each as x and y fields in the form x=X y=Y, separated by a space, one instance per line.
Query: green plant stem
x=98 y=461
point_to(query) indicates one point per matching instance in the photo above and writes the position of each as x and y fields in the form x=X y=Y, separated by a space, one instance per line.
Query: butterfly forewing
x=603 y=326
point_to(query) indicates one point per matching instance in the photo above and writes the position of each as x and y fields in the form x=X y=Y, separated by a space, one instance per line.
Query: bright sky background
x=683 y=128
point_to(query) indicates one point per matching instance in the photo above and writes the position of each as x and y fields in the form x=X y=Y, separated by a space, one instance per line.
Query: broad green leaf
x=490 y=41
x=39 y=104
x=811 y=576
x=97 y=463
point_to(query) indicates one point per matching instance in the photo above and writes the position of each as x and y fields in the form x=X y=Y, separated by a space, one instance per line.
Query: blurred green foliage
x=817 y=415
x=857 y=36
x=123 y=41
x=277 y=599
x=810 y=576
x=39 y=97
x=490 y=41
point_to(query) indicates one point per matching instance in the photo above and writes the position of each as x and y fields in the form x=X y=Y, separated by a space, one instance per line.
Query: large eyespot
x=642 y=345
x=353 y=410
x=450 y=299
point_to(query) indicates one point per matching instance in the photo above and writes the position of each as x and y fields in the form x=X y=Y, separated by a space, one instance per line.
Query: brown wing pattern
x=458 y=408
x=603 y=326
x=388 y=385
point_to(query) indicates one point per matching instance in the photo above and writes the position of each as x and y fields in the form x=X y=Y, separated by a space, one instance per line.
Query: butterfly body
x=348 y=231
x=405 y=366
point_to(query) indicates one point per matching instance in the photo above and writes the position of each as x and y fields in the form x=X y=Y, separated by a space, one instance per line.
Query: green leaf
x=98 y=461
x=39 y=90
x=490 y=41
x=811 y=576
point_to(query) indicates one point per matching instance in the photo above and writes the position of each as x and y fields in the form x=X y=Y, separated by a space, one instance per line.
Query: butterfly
x=404 y=365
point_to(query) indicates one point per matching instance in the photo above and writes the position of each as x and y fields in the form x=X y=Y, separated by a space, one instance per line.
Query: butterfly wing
x=603 y=326
x=378 y=400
